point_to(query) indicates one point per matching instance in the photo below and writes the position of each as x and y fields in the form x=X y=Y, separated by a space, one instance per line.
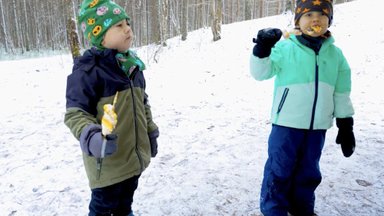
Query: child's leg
x=115 y=199
x=307 y=175
x=283 y=145
x=126 y=200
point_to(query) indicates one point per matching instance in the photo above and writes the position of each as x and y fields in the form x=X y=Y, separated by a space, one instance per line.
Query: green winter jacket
x=94 y=81
x=310 y=89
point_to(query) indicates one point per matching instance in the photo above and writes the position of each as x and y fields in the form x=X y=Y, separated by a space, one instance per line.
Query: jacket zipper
x=281 y=104
x=316 y=91
x=282 y=100
x=135 y=119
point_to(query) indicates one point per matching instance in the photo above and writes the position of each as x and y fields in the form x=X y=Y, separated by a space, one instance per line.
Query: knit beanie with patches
x=97 y=16
x=305 y=6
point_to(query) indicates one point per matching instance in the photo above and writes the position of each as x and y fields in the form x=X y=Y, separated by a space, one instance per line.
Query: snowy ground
x=214 y=126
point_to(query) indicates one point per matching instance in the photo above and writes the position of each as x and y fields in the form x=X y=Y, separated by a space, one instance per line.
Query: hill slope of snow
x=214 y=125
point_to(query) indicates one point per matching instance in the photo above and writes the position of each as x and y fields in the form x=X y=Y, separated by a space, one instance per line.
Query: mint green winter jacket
x=310 y=89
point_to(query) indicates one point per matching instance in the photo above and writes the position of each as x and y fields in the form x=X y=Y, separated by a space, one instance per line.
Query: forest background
x=39 y=26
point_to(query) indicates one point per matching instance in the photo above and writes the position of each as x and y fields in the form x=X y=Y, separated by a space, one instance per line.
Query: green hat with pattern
x=97 y=16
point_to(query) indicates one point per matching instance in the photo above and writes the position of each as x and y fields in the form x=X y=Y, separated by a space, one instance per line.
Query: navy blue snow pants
x=114 y=200
x=292 y=172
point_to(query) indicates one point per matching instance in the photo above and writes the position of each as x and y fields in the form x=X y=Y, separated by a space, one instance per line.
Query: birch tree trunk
x=281 y=6
x=4 y=29
x=163 y=17
x=248 y=9
x=199 y=11
x=175 y=23
x=26 y=27
x=290 y=5
x=17 y=42
x=155 y=31
x=72 y=36
x=184 y=21
x=238 y=13
x=217 y=15
x=261 y=8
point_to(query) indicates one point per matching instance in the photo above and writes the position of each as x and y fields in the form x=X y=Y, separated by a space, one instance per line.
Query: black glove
x=153 y=141
x=266 y=39
x=345 y=136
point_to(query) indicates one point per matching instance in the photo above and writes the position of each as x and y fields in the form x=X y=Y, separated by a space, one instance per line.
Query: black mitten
x=91 y=141
x=153 y=141
x=345 y=136
x=266 y=39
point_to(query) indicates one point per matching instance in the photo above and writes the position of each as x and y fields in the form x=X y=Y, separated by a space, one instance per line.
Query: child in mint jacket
x=312 y=86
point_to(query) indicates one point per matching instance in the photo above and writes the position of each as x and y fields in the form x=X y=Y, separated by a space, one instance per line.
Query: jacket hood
x=92 y=56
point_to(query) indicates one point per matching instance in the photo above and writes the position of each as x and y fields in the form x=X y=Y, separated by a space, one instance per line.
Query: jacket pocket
x=282 y=100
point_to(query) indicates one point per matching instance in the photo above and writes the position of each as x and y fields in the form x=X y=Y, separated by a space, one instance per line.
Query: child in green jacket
x=108 y=109
x=312 y=87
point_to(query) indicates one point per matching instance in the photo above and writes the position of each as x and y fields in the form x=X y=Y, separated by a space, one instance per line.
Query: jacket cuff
x=344 y=123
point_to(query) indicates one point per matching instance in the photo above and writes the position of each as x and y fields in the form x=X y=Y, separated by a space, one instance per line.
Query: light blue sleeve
x=268 y=67
x=261 y=68
x=342 y=99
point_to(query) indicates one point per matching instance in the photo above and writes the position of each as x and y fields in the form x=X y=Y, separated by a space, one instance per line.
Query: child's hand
x=96 y=145
x=345 y=135
x=153 y=141
x=92 y=142
x=266 y=39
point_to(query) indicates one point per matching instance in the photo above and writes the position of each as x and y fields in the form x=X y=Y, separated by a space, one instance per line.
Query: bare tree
x=261 y=8
x=4 y=30
x=72 y=36
x=154 y=23
x=184 y=20
x=290 y=5
x=163 y=18
x=216 y=11
x=25 y=26
x=16 y=32
x=248 y=9
x=39 y=25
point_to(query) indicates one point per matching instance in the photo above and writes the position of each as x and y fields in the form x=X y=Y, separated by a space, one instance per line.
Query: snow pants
x=114 y=200
x=292 y=172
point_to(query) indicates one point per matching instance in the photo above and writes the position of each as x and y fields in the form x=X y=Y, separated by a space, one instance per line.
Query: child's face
x=118 y=36
x=314 y=23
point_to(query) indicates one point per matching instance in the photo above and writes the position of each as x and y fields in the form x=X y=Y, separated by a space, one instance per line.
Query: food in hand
x=109 y=119
x=285 y=34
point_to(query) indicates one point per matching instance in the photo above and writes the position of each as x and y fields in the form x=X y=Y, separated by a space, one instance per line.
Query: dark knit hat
x=97 y=16
x=304 y=6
